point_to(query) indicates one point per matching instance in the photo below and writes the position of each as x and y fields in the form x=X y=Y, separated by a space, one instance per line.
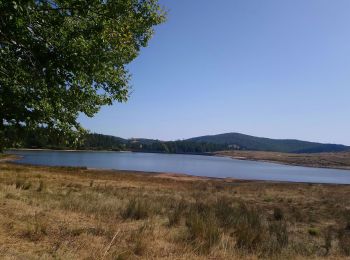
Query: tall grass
x=36 y=227
x=165 y=218
x=249 y=228
x=203 y=228
x=137 y=209
x=176 y=213
x=344 y=234
x=22 y=183
x=91 y=203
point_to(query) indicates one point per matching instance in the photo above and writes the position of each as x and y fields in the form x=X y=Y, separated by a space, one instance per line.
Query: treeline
x=102 y=142
x=20 y=137
x=51 y=139
x=175 y=147
x=106 y=142
x=44 y=139
x=253 y=143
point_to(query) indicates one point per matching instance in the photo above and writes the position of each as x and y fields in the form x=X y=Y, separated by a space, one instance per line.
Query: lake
x=198 y=165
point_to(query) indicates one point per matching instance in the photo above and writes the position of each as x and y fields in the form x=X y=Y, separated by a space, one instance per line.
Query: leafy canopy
x=59 y=58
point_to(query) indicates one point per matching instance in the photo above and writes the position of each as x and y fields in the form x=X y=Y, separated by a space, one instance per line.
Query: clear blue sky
x=271 y=68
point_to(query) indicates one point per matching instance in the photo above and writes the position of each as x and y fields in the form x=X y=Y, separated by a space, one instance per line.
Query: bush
x=203 y=229
x=313 y=231
x=278 y=214
x=344 y=235
x=175 y=215
x=41 y=186
x=250 y=231
x=344 y=241
x=225 y=212
x=141 y=238
x=297 y=214
x=137 y=209
x=278 y=238
x=328 y=237
x=347 y=219
x=22 y=184
x=36 y=228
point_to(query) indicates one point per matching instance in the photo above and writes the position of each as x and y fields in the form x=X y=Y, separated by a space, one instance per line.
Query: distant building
x=233 y=147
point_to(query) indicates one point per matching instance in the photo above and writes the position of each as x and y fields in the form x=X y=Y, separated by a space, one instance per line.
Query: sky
x=270 y=68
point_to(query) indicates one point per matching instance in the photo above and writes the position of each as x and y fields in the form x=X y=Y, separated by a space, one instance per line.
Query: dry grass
x=75 y=213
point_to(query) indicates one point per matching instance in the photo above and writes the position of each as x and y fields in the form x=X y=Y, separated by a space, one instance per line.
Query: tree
x=60 y=58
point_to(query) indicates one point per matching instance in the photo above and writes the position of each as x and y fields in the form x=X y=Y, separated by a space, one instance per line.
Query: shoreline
x=249 y=156
x=189 y=177
x=9 y=158
x=63 y=150
x=345 y=168
x=104 y=151
x=162 y=175
x=282 y=158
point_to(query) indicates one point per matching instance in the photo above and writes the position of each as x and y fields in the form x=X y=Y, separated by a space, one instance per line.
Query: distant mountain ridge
x=248 y=142
x=41 y=138
x=211 y=143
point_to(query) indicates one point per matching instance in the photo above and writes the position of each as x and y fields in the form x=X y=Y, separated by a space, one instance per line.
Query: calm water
x=210 y=166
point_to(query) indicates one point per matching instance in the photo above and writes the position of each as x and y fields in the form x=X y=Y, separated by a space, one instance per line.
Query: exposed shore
x=8 y=157
x=340 y=160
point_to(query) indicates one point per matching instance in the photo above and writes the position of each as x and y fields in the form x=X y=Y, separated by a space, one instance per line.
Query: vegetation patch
x=97 y=214
x=203 y=228
x=137 y=209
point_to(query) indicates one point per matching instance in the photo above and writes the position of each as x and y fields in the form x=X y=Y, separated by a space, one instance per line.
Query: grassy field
x=340 y=160
x=74 y=213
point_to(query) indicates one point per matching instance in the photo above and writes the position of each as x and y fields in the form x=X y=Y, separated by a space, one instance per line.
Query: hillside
x=100 y=141
x=247 y=142
x=212 y=143
x=42 y=138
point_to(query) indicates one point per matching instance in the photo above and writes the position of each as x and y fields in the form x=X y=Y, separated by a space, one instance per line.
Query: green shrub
x=313 y=231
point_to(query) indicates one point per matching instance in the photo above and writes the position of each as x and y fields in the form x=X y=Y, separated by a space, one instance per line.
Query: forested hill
x=204 y=144
x=247 y=142
x=101 y=142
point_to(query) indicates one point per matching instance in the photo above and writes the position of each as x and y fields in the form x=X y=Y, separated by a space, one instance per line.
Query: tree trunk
x=2 y=136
